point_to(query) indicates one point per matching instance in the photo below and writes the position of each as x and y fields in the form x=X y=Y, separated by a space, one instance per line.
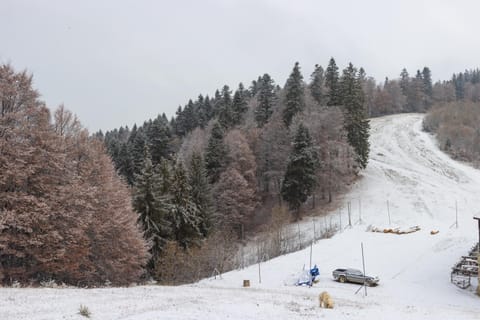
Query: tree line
x=170 y=194
x=455 y=116
x=223 y=162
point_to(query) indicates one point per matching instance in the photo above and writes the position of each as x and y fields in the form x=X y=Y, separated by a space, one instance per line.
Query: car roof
x=348 y=269
x=353 y=270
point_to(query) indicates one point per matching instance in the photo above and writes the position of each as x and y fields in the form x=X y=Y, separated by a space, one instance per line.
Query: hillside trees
x=294 y=95
x=215 y=154
x=200 y=192
x=64 y=214
x=300 y=179
x=332 y=84
x=266 y=99
x=235 y=191
x=152 y=212
x=356 y=124
x=317 y=85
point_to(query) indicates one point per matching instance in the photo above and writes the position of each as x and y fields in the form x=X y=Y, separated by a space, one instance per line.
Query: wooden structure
x=465 y=269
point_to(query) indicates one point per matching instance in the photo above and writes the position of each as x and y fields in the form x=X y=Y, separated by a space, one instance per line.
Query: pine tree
x=136 y=145
x=201 y=111
x=355 y=122
x=159 y=139
x=332 y=84
x=405 y=82
x=183 y=210
x=180 y=123
x=125 y=164
x=317 y=84
x=294 y=95
x=427 y=81
x=459 y=83
x=266 y=99
x=239 y=105
x=152 y=212
x=208 y=108
x=190 y=117
x=300 y=180
x=225 y=110
x=215 y=154
x=200 y=193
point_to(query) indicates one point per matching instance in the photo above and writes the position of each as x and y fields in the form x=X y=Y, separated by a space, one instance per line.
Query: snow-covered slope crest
x=407 y=177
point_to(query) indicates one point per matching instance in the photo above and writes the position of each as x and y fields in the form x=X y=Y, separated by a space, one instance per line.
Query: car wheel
x=342 y=279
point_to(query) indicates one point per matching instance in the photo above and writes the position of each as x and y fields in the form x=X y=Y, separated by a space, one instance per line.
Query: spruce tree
x=266 y=99
x=209 y=112
x=200 y=193
x=201 y=112
x=225 y=111
x=180 y=121
x=183 y=211
x=427 y=81
x=136 y=149
x=190 y=117
x=300 y=179
x=356 y=124
x=239 y=105
x=332 y=84
x=317 y=89
x=152 y=213
x=215 y=154
x=125 y=164
x=294 y=95
x=405 y=82
x=159 y=139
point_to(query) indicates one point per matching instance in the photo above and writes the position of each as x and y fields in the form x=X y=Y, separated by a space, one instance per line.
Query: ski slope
x=422 y=186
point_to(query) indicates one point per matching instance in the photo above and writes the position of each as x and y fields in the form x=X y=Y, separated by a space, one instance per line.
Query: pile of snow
x=408 y=182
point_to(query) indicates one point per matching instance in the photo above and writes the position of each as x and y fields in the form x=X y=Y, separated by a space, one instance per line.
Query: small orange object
x=434 y=231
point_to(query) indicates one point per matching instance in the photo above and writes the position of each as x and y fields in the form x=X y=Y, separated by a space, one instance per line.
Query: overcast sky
x=117 y=62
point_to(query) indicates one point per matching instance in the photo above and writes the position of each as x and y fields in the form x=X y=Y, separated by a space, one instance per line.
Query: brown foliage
x=178 y=265
x=457 y=128
x=64 y=213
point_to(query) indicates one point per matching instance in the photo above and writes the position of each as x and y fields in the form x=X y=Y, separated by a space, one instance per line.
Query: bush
x=84 y=311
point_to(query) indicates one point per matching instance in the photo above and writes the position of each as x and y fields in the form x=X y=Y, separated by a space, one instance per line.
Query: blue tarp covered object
x=308 y=276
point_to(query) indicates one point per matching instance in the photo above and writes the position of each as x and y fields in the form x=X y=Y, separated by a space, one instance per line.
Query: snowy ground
x=421 y=185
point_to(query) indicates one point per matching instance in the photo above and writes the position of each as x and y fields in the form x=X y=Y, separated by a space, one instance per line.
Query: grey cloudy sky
x=117 y=62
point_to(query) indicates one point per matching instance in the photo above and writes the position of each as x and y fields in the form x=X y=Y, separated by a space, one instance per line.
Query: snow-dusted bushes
x=456 y=125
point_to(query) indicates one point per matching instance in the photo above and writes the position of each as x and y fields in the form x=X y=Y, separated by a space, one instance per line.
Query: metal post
x=478 y=247
x=456 y=214
x=299 y=238
x=388 y=210
x=349 y=214
x=363 y=262
x=360 y=209
x=340 y=217
x=311 y=247
x=259 y=273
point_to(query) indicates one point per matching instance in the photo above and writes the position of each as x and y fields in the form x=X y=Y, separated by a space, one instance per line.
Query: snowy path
x=421 y=185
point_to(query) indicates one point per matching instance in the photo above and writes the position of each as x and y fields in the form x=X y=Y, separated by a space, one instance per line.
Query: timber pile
x=395 y=230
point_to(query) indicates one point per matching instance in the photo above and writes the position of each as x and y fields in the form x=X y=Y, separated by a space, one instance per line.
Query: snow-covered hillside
x=422 y=186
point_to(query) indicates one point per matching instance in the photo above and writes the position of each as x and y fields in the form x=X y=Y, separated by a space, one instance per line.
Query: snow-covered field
x=422 y=186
